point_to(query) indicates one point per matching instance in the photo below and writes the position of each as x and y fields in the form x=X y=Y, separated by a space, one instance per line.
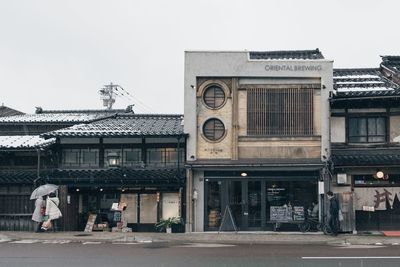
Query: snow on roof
x=362 y=89
x=357 y=76
x=54 y=117
x=24 y=141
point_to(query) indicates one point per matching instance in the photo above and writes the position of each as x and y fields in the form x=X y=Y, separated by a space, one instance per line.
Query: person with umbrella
x=38 y=213
x=39 y=194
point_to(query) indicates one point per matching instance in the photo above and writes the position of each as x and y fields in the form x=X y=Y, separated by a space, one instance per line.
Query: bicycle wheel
x=319 y=226
x=326 y=229
x=304 y=226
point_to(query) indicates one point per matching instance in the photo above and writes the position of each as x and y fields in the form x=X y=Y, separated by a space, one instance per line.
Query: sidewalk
x=209 y=237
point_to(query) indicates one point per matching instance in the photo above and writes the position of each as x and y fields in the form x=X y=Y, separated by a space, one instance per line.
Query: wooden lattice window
x=280 y=111
x=213 y=129
x=214 y=96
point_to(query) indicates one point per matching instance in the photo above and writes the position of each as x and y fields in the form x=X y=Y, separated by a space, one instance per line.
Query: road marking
x=204 y=245
x=91 y=243
x=125 y=243
x=359 y=246
x=56 y=241
x=350 y=258
x=25 y=241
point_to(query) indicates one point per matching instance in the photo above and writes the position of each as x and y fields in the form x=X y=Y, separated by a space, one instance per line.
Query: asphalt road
x=193 y=255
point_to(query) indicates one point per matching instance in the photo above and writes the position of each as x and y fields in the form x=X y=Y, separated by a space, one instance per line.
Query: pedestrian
x=39 y=212
x=52 y=211
x=333 y=213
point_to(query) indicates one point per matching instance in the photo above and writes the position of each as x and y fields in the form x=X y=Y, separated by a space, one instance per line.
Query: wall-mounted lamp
x=243 y=174
x=77 y=190
x=380 y=174
x=113 y=159
x=101 y=189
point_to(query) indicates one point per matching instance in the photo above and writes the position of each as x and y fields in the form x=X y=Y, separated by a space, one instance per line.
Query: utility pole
x=107 y=95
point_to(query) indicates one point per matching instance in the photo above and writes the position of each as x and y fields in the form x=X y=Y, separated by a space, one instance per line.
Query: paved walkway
x=209 y=237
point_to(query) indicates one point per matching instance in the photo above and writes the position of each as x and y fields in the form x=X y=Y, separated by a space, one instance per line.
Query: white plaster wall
x=338 y=129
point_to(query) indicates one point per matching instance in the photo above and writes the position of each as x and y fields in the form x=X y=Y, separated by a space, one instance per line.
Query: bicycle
x=314 y=223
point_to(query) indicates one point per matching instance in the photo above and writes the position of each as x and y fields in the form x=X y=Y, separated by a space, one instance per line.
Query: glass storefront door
x=254 y=202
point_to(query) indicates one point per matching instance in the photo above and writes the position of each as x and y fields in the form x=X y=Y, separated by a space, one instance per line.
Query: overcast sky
x=58 y=54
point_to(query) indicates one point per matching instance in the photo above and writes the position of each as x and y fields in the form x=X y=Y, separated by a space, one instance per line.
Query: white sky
x=58 y=54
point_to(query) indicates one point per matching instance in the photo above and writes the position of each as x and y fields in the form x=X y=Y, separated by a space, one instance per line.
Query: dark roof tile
x=125 y=125
x=288 y=54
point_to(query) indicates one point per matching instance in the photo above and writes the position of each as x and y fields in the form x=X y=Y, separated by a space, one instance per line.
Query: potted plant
x=167 y=224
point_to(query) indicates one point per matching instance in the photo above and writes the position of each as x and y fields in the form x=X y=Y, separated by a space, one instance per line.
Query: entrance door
x=253 y=204
x=148 y=212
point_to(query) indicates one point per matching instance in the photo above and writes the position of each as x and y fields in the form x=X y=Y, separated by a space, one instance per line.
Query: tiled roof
x=125 y=125
x=62 y=116
x=285 y=55
x=350 y=83
x=99 y=177
x=366 y=157
x=24 y=141
x=392 y=63
x=6 y=111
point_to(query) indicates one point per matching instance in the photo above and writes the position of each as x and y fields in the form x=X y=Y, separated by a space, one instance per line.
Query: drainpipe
x=38 y=167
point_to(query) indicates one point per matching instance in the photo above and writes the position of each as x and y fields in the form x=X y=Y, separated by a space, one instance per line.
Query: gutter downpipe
x=38 y=167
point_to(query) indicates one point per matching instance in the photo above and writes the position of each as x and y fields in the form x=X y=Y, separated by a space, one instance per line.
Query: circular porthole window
x=213 y=129
x=214 y=96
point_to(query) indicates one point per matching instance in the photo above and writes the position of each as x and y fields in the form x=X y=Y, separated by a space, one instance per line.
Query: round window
x=213 y=129
x=214 y=96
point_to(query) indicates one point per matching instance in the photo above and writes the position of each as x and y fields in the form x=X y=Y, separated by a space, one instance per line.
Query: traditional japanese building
x=130 y=158
x=258 y=126
x=365 y=142
x=97 y=158
x=25 y=157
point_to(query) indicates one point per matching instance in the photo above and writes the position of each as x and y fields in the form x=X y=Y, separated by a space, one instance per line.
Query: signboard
x=90 y=222
x=280 y=214
x=298 y=213
x=286 y=214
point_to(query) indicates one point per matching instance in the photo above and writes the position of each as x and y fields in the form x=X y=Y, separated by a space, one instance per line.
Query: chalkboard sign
x=298 y=213
x=90 y=222
x=280 y=213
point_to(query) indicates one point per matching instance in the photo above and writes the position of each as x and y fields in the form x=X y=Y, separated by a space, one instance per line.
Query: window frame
x=214 y=86
x=367 y=136
x=203 y=132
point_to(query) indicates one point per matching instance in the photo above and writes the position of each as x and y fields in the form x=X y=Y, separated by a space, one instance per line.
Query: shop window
x=368 y=179
x=280 y=111
x=214 y=129
x=214 y=96
x=367 y=130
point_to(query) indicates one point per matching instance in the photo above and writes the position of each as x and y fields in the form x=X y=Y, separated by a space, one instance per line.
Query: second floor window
x=367 y=130
x=164 y=156
x=80 y=158
x=280 y=111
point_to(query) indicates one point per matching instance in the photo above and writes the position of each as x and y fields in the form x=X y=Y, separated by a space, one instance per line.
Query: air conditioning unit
x=341 y=178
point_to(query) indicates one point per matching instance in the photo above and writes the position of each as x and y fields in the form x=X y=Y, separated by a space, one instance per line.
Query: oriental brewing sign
x=293 y=67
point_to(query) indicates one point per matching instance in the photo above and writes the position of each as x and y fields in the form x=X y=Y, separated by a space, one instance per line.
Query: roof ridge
x=81 y=111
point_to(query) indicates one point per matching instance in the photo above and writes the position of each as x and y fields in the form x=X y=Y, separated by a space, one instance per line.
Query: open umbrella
x=43 y=190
